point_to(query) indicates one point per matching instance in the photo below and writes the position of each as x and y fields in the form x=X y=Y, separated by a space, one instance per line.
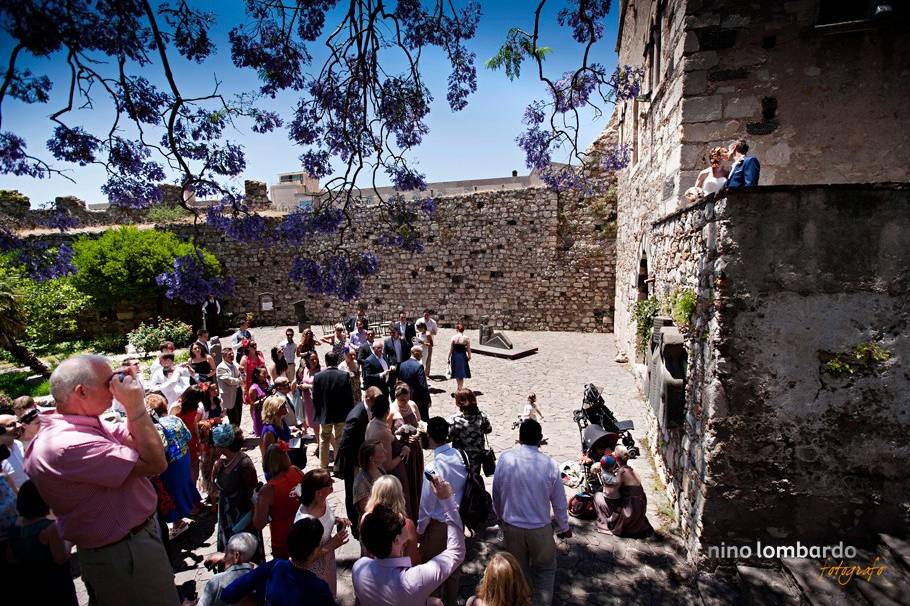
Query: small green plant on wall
x=682 y=306
x=643 y=313
x=864 y=358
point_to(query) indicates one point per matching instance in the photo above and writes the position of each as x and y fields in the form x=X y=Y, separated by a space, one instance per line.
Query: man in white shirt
x=388 y=579
x=163 y=348
x=243 y=332
x=229 y=385
x=432 y=329
x=170 y=379
x=289 y=349
x=526 y=485
x=447 y=465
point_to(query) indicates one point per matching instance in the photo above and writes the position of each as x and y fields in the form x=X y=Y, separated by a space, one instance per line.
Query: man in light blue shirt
x=525 y=486
x=447 y=465
x=238 y=552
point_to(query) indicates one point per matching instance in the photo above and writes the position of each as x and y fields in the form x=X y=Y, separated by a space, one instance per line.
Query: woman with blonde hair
x=503 y=584
x=713 y=178
x=275 y=429
x=387 y=491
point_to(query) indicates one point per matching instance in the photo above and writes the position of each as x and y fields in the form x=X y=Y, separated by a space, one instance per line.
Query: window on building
x=653 y=51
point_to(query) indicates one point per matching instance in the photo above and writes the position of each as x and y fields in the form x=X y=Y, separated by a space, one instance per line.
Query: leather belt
x=132 y=532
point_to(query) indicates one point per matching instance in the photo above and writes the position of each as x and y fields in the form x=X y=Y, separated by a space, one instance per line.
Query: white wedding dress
x=713 y=184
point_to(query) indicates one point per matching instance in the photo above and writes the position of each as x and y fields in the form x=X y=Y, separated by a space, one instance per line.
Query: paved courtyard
x=593 y=568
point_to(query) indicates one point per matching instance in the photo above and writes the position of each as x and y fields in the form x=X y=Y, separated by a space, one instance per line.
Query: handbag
x=488 y=459
x=581 y=506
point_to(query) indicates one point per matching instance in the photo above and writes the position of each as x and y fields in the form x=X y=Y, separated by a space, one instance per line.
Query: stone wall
x=17 y=214
x=817 y=105
x=775 y=446
x=647 y=189
x=529 y=259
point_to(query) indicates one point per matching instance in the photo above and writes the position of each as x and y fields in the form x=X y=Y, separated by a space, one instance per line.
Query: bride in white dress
x=713 y=178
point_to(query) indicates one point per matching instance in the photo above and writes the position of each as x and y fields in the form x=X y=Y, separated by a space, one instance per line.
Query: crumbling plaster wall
x=775 y=448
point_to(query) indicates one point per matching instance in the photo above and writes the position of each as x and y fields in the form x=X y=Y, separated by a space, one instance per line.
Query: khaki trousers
x=535 y=550
x=326 y=439
x=434 y=543
x=135 y=570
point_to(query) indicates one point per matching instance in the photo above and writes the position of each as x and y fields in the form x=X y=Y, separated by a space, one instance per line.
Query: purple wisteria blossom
x=337 y=275
x=188 y=281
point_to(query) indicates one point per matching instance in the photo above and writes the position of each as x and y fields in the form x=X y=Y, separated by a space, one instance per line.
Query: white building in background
x=462 y=187
x=293 y=190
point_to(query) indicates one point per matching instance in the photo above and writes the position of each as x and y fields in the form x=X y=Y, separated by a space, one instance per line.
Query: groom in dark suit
x=745 y=170
x=411 y=372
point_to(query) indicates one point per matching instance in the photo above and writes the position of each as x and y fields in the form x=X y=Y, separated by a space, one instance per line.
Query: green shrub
x=15 y=384
x=682 y=306
x=52 y=309
x=112 y=342
x=865 y=358
x=147 y=337
x=122 y=264
x=643 y=313
x=167 y=214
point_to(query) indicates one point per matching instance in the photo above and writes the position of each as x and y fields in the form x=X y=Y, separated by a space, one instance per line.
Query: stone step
x=899 y=547
x=892 y=586
x=768 y=587
x=820 y=590
x=719 y=588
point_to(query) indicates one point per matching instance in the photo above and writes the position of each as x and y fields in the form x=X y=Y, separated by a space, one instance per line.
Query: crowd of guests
x=122 y=462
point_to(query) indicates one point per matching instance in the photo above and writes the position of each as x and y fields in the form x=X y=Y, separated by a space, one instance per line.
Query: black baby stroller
x=598 y=427
x=599 y=431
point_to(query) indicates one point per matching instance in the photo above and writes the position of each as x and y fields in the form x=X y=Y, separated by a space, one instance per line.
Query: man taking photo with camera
x=94 y=476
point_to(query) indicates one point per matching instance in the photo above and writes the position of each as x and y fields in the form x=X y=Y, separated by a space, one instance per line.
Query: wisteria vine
x=355 y=119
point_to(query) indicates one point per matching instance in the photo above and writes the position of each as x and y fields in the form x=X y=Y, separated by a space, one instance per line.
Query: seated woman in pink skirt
x=622 y=507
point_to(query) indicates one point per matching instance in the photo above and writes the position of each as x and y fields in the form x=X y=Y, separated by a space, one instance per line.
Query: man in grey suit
x=229 y=385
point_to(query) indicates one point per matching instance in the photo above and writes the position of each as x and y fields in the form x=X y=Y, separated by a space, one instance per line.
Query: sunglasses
x=29 y=417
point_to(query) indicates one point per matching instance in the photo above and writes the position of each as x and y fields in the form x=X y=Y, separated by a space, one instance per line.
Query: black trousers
x=235 y=413
x=350 y=470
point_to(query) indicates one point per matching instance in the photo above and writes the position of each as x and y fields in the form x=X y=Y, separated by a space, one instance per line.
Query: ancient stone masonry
x=778 y=442
x=817 y=102
x=528 y=259
x=15 y=209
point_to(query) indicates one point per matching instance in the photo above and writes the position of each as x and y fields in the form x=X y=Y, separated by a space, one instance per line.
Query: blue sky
x=477 y=142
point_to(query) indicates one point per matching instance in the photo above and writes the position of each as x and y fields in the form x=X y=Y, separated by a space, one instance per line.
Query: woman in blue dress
x=460 y=356
x=177 y=479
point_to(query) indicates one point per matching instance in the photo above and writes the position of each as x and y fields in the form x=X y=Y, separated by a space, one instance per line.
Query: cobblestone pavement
x=593 y=568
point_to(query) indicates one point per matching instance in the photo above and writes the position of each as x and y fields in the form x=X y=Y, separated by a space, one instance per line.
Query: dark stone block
x=669 y=186
x=768 y=42
x=716 y=39
x=762 y=128
x=512 y=222
x=429 y=268
x=721 y=75
x=768 y=108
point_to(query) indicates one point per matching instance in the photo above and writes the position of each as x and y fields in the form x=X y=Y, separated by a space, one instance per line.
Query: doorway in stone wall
x=643 y=282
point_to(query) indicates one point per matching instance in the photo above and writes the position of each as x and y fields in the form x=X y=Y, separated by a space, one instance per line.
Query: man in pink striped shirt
x=94 y=476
